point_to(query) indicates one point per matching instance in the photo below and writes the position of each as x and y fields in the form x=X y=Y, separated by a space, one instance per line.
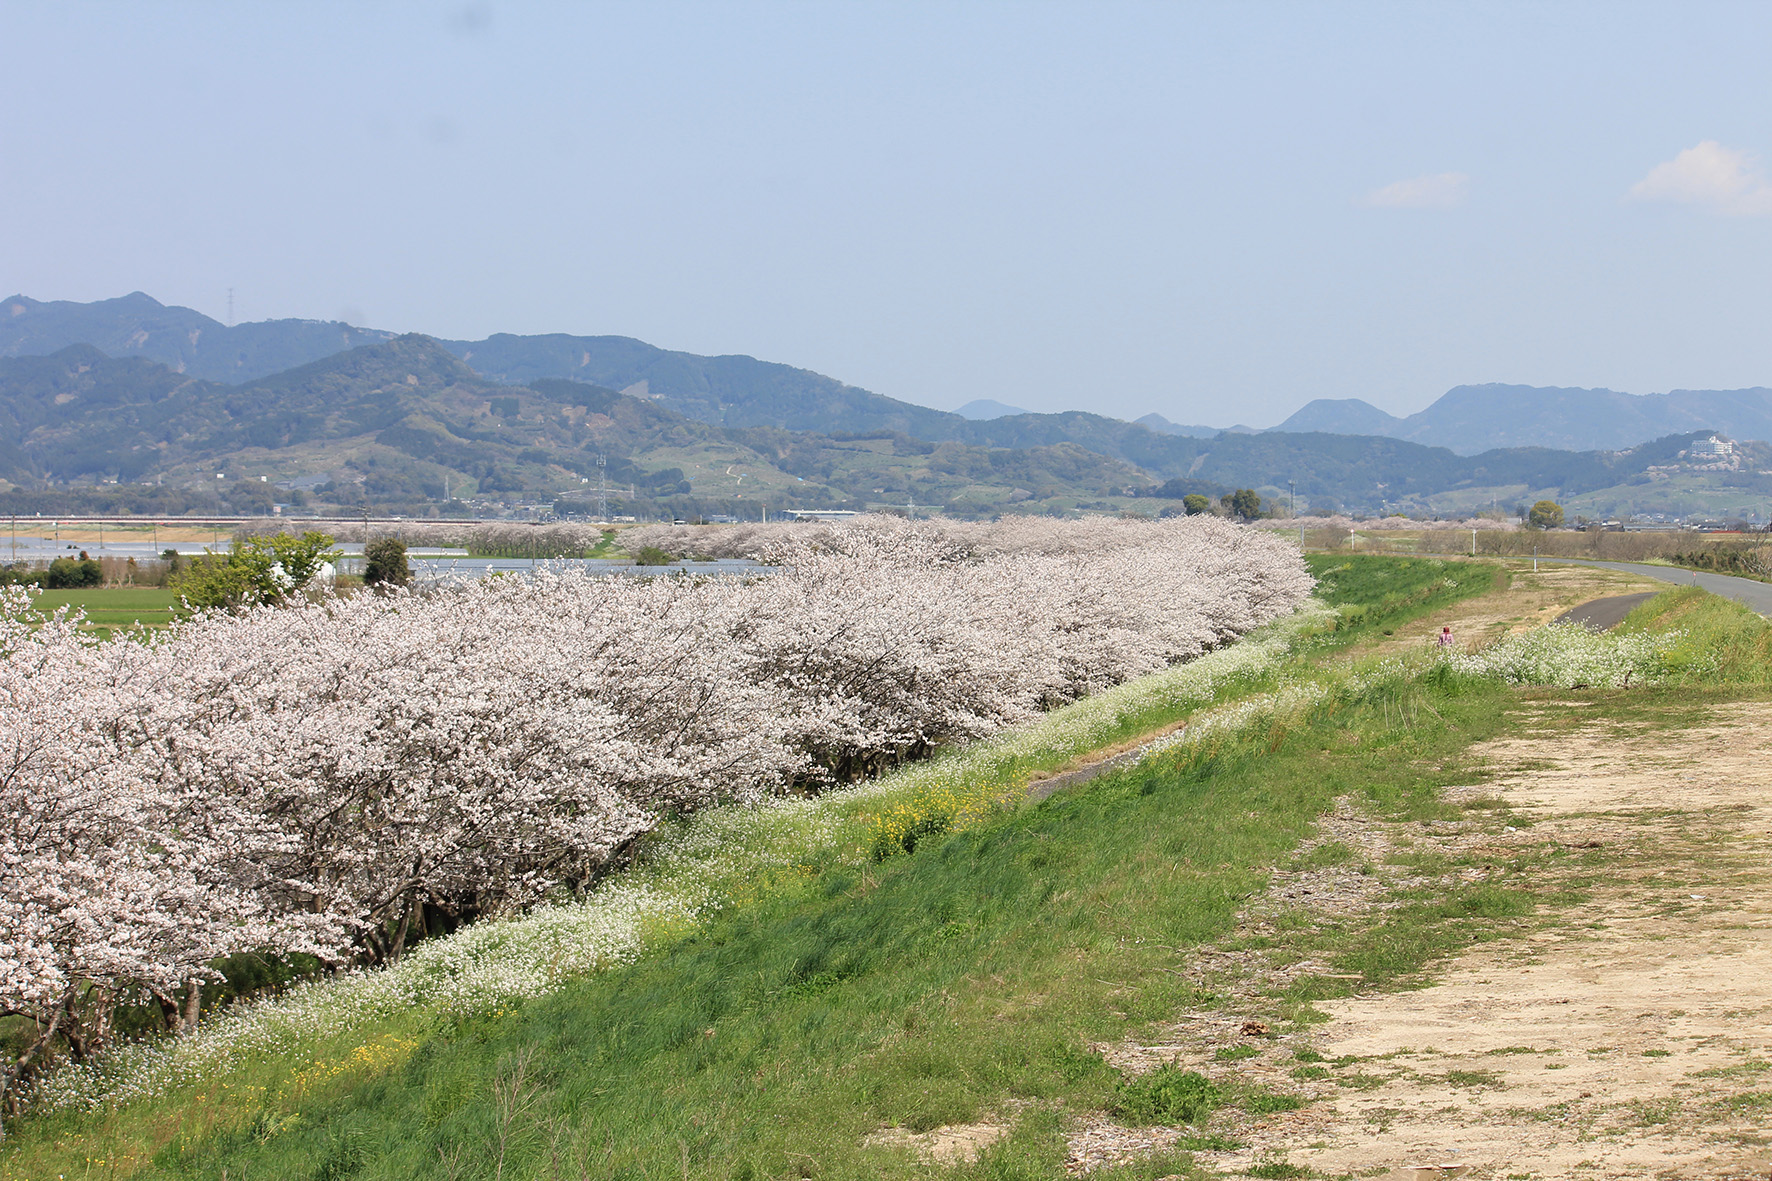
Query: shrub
x=19 y=574
x=269 y=570
x=69 y=573
x=384 y=563
x=1546 y=514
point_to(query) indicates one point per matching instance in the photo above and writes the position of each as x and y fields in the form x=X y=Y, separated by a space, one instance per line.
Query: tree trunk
x=193 y=1006
x=16 y=1069
x=412 y=904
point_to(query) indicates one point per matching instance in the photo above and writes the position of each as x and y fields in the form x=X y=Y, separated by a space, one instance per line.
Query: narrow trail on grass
x=1630 y=1040
x=1103 y=761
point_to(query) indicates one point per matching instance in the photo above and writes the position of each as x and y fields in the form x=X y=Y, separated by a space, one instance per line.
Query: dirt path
x=1633 y=1040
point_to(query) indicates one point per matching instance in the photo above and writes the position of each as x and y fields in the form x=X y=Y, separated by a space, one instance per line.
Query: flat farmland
x=109 y=609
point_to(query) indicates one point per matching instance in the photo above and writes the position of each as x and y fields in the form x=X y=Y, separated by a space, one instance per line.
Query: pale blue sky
x=1216 y=212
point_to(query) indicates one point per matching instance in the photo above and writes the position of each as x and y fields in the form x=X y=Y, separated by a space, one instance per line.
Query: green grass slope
x=964 y=980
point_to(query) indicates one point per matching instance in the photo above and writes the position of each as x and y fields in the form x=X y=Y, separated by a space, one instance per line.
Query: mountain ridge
x=412 y=420
x=737 y=390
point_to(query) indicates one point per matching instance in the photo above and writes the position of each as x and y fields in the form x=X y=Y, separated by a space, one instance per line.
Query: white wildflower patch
x=1569 y=654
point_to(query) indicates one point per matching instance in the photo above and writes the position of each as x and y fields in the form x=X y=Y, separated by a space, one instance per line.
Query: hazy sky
x=1216 y=212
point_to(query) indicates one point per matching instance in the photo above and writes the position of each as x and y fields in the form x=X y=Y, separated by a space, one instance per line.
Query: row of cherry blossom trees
x=339 y=777
x=509 y=538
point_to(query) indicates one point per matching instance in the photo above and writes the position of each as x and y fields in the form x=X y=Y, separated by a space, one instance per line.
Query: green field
x=110 y=609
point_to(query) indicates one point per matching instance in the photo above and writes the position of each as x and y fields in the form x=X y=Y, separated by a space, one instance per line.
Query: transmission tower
x=602 y=489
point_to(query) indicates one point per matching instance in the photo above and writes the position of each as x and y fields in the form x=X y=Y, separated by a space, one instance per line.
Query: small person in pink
x=1446 y=637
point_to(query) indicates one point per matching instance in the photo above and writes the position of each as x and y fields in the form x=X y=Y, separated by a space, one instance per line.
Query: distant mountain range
x=987 y=408
x=740 y=391
x=130 y=391
x=1474 y=418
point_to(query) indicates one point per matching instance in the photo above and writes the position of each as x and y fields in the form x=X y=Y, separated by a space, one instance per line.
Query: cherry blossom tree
x=340 y=776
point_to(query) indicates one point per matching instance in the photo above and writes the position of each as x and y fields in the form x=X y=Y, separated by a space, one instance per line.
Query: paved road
x=1756 y=596
x=1605 y=614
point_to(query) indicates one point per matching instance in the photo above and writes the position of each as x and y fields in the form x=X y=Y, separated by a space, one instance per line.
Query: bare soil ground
x=1630 y=1035
x=89 y=536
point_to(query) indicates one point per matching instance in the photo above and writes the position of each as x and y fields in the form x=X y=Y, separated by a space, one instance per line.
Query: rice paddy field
x=115 y=608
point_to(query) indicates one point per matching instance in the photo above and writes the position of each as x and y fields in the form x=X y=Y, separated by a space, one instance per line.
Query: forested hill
x=82 y=415
x=733 y=391
x=403 y=424
x=1369 y=471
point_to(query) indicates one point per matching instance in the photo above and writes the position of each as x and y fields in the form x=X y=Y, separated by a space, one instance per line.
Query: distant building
x=823 y=514
x=1712 y=448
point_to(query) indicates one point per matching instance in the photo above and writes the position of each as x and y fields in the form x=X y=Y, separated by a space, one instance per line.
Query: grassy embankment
x=844 y=992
